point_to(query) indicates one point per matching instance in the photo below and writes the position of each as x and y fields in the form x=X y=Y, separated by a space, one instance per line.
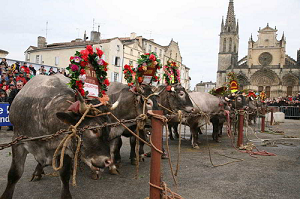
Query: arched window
x=235 y=48
x=230 y=44
x=131 y=52
x=224 y=45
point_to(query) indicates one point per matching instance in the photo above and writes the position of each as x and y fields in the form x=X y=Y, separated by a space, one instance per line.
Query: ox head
x=95 y=144
x=237 y=101
x=176 y=97
x=146 y=95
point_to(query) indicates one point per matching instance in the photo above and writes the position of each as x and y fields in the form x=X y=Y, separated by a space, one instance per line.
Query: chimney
x=95 y=36
x=298 y=57
x=41 y=42
x=132 y=35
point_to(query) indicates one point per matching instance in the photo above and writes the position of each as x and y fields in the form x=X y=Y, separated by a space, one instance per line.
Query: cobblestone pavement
x=261 y=177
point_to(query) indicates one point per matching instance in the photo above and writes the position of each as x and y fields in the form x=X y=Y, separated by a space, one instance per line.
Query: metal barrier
x=289 y=111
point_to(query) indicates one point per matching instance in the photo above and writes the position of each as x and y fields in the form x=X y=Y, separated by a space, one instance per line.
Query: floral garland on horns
x=129 y=74
x=171 y=73
x=77 y=69
x=136 y=75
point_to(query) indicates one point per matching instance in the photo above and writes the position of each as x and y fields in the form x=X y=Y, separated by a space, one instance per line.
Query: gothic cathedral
x=267 y=67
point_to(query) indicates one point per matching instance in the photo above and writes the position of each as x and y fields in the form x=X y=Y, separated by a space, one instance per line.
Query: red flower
x=99 y=52
x=126 y=66
x=71 y=58
x=140 y=68
x=152 y=57
x=83 y=63
x=130 y=84
x=125 y=71
x=146 y=54
x=82 y=72
x=106 y=82
x=90 y=49
x=84 y=54
x=105 y=63
x=103 y=92
x=82 y=92
x=140 y=79
x=105 y=68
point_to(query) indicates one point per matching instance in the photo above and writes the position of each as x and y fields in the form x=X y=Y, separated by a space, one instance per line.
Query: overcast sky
x=194 y=24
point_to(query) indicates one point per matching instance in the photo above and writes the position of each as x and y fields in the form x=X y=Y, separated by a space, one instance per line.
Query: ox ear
x=68 y=118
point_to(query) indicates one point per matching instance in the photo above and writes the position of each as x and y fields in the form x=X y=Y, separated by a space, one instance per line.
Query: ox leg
x=143 y=135
x=16 y=170
x=175 y=128
x=65 y=174
x=132 y=150
x=194 y=133
x=115 y=147
x=170 y=132
x=38 y=172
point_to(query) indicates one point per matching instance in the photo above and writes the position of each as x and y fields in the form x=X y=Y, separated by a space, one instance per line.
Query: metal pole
x=241 y=130
x=155 y=174
x=272 y=116
x=263 y=117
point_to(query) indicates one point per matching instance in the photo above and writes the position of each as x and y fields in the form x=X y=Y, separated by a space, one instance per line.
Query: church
x=267 y=67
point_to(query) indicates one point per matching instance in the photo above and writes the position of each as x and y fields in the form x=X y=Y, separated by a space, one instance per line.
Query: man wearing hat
x=21 y=78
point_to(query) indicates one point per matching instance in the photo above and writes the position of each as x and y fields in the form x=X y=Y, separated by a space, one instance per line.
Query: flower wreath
x=77 y=69
x=133 y=75
x=171 y=73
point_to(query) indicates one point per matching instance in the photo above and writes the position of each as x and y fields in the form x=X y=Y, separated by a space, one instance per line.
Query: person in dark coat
x=12 y=96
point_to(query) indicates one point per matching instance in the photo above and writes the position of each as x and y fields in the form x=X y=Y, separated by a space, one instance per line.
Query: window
x=230 y=44
x=37 y=59
x=176 y=57
x=160 y=52
x=235 y=48
x=145 y=46
x=139 y=54
x=155 y=50
x=56 y=61
x=131 y=52
x=116 y=77
x=224 y=45
x=117 y=61
x=131 y=63
x=118 y=48
x=150 y=48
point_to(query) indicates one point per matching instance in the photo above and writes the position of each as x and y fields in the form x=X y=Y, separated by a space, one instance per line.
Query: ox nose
x=189 y=109
x=107 y=162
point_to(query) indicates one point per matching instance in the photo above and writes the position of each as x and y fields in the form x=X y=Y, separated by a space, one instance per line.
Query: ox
x=131 y=105
x=39 y=109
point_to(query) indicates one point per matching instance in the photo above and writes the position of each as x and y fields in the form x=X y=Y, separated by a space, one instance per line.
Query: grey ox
x=40 y=108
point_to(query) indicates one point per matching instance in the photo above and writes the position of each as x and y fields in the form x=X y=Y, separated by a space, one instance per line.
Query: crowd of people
x=284 y=101
x=15 y=76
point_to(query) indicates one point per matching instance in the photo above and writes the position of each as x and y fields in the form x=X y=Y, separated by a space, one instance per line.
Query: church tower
x=229 y=45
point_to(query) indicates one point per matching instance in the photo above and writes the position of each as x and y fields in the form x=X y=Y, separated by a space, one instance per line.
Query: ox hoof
x=114 y=171
x=95 y=176
x=218 y=141
x=133 y=161
x=196 y=147
x=35 y=177
x=171 y=138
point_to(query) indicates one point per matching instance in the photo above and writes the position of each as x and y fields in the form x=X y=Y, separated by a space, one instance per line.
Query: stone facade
x=266 y=67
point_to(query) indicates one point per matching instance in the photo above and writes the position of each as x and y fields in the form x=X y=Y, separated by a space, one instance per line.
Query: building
x=204 y=86
x=58 y=54
x=267 y=67
x=3 y=53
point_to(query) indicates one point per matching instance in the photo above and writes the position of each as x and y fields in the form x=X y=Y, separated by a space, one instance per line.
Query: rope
x=165 y=190
x=179 y=142
x=63 y=145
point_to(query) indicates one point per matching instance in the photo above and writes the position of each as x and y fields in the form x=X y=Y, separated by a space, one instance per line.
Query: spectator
x=4 y=77
x=17 y=66
x=51 y=72
x=28 y=77
x=4 y=85
x=25 y=68
x=4 y=64
x=21 y=78
x=12 y=96
x=32 y=69
x=11 y=87
x=3 y=97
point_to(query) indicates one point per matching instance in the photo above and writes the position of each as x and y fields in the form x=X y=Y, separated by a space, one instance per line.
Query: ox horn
x=115 y=105
x=83 y=106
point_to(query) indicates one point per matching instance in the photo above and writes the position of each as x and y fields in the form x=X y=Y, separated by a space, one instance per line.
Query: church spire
x=222 y=24
x=230 y=24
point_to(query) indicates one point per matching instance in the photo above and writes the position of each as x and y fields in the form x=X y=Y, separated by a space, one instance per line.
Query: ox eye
x=181 y=94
